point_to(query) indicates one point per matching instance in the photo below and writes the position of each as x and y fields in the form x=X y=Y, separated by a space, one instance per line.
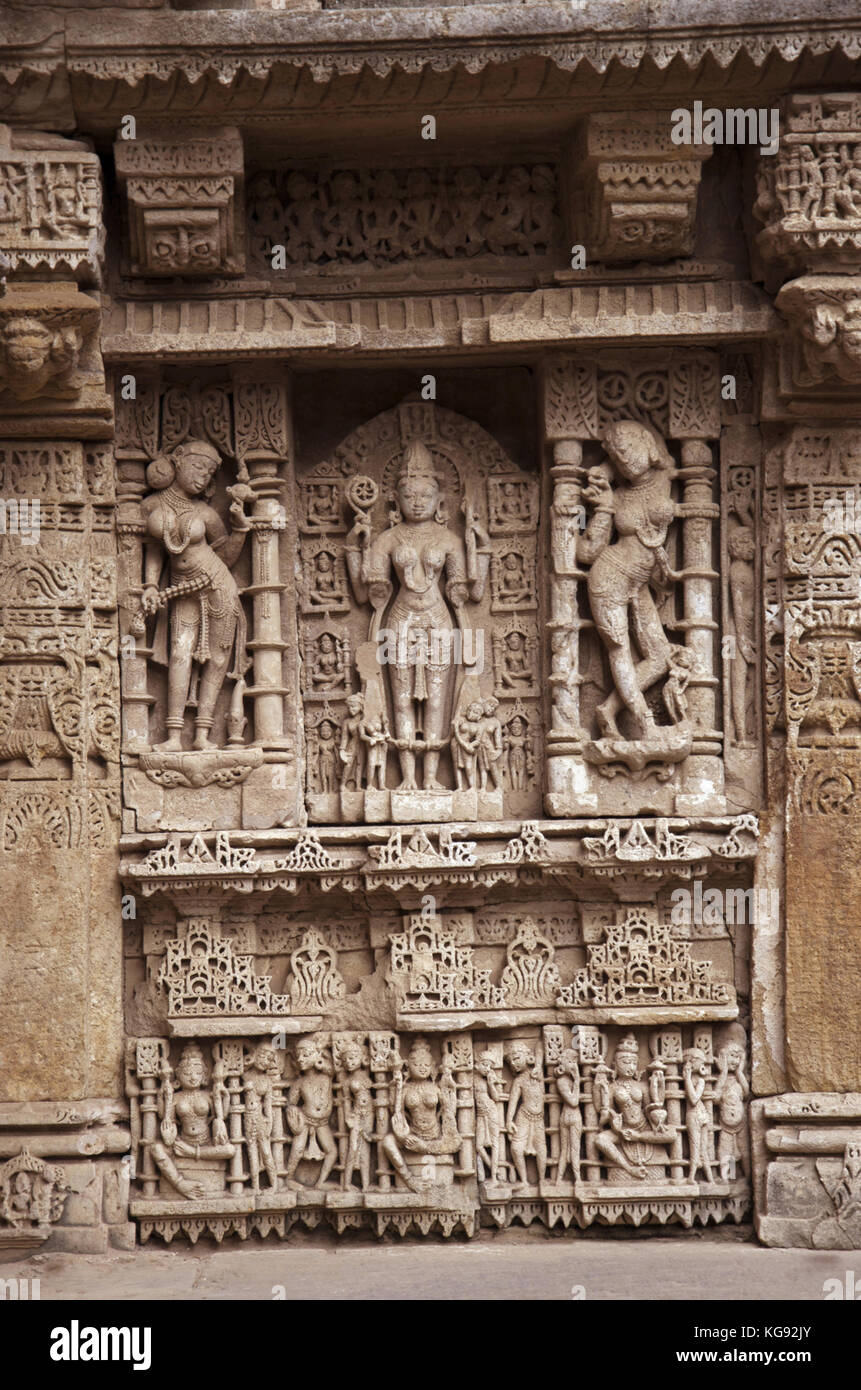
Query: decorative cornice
x=131 y=47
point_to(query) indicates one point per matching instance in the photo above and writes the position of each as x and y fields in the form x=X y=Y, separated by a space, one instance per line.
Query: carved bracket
x=185 y=202
x=640 y=189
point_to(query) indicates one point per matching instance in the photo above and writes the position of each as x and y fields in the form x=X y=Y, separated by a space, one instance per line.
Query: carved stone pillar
x=703 y=770
x=136 y=445
x=565 y=735
x=262 y=447
x=261 y=425
x=805 y=1142
x=60 y=929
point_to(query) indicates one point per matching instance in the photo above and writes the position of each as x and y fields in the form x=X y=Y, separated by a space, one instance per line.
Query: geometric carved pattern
x=639 y=963
x=203 y=977
x=431 y=972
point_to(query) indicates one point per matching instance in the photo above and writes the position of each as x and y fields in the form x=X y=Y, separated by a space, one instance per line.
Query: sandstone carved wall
x=430 y=623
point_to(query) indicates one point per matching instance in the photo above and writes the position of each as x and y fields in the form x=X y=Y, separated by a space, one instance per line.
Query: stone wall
x=430 y=634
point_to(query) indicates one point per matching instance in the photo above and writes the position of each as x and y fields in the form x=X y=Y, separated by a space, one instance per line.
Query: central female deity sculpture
x=624 y=570
x=633 y=1134
x=410 y=560
x=423 y=1118
x=207 y=622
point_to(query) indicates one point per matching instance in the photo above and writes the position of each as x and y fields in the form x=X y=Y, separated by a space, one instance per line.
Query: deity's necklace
x=182 y=509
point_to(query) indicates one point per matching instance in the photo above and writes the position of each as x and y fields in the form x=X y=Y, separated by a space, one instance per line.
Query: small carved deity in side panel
x=352 y=750
x=207 y=622
x=743 y=607
x=519 y=753
x=624 y=548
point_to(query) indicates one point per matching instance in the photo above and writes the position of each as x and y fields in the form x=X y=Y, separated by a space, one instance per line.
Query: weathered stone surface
x=808 y=1149
x=823 y=951
x=429 y=719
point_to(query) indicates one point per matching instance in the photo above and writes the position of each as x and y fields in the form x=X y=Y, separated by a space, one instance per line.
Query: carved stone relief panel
x=50 y=205
x=419 y=624
x=350 y=224
x=809 y=1171
x=809 y=193
x=814 y=470
x=59 y=770
x=241 y=1135
x=59 y=696
x=204 y=618
x=505 y=1050
x=32 y=1196
x=634 y=607
x=809 y=198
x=821 y=571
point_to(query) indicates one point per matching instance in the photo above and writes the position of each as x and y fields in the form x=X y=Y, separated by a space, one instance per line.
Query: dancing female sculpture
x=261 y=1077
x=207 y=620
x=624 y=570
x=414 y=553
x=357 y=1099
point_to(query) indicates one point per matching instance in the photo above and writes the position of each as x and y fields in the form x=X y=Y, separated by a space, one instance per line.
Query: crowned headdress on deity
x=628 y=1045
x=417 y=465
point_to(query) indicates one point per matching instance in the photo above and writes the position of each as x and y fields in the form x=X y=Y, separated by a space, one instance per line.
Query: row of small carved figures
x=396 y=219
x=631 y=1125
x=483 y=747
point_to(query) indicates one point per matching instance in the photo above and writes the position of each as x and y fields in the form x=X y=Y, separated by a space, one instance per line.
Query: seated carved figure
x=192 y=1119
x=632 y=1130
x=424 y=1116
